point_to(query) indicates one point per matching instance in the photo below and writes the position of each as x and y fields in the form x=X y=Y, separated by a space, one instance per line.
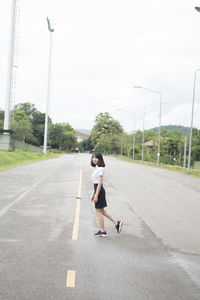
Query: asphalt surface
x=155 y=257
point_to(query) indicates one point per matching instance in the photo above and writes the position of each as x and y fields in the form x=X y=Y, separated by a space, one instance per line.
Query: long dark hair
x=101 y=162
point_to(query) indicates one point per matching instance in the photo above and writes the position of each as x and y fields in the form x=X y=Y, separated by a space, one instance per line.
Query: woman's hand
x=95 y=199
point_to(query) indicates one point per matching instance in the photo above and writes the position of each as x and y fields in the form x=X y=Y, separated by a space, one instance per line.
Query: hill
x=86 y=131
x=183 y=129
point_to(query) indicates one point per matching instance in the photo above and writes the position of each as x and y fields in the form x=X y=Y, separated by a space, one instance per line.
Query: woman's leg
x=109 y=217
x=99 y=212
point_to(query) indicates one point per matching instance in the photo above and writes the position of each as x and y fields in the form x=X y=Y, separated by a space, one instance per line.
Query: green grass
x=153 y=164
x=19 y=157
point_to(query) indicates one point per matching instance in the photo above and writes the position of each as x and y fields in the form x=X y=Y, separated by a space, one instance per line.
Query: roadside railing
x=166 y=166
x=26 y=147
x=181 y=169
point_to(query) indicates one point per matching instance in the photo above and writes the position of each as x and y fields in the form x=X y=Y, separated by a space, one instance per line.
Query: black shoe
x=102 y=234
x=119 y=226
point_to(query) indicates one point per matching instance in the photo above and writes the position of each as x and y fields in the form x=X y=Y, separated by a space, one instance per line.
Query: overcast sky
x=102 y=48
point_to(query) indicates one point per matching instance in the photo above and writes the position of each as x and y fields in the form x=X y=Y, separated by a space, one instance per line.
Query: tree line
x=107 y=136
x=27 y=124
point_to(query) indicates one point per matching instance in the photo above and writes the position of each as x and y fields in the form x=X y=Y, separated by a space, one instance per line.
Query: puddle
x=189 y=263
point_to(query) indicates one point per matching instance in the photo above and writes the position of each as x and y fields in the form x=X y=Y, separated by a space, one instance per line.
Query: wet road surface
x=156 y=256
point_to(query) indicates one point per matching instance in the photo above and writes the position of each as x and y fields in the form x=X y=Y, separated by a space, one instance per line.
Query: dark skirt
x=101 y=203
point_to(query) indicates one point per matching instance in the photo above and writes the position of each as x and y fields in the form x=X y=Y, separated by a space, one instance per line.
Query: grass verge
x=178 y=169
x=19 y=157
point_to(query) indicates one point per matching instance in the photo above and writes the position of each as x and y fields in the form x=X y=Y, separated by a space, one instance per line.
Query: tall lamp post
x=143 y=135
x=144 y=112
x=153 y=91
x=192 y=117
x=10 y=66
x=48 y=89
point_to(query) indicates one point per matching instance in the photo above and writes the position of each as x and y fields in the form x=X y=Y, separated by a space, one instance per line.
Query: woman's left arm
x=95 y=199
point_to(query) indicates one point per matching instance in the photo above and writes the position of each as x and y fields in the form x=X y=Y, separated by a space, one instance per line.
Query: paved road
x=156 y=257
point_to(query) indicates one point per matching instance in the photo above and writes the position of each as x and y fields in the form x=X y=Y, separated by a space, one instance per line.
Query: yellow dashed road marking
x=71 y=278
x=71 y=274
x=76 y=220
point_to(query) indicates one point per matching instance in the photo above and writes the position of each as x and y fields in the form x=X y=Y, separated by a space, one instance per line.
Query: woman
x=99 y=195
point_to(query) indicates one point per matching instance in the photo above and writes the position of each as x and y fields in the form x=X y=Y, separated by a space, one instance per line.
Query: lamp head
x=137 y=87
x=49 y=25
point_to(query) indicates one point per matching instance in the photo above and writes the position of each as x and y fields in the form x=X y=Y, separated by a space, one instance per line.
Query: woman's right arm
x=92 y=197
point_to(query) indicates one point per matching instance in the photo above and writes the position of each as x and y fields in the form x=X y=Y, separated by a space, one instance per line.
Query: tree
x=1 y=119
x=62 y=136
x=28 y=108
x=172 y=143
x=195 y=151
x=86 y=145
x=69 y=141
x=38 y=124
x=56 y=133
x=106 y=134
x=37 y=120
x=21 y=125
x=28 y=124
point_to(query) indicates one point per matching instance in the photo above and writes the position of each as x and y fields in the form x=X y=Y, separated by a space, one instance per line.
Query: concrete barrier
x=5 y=142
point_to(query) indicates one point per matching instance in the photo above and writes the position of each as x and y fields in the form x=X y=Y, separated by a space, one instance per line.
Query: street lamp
x=192 y=116
x=144 y=127
x=48 y=89
x=11 y=57
x=133 y=129
x=197 y=8
x=153 y=91
x=143 y=135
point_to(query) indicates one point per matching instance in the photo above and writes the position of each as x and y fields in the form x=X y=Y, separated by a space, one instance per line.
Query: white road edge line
x=5 y=209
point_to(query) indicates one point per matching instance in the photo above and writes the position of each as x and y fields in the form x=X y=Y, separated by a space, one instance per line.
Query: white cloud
x=99 y=48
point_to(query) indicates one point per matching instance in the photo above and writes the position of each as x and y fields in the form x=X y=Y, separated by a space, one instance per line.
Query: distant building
x=149 y=144
x=80 y=136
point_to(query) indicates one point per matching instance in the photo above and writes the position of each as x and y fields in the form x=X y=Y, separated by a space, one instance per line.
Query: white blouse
x=98 y=171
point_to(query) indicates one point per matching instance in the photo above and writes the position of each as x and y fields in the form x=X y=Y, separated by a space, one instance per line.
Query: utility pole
x=160 y=103
x=48 y=89
x=134 y=130
x=192 y=117
x=143 y=136
x=134 y=144
x=185 y=149
x=122 y=141
x=134 y=125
